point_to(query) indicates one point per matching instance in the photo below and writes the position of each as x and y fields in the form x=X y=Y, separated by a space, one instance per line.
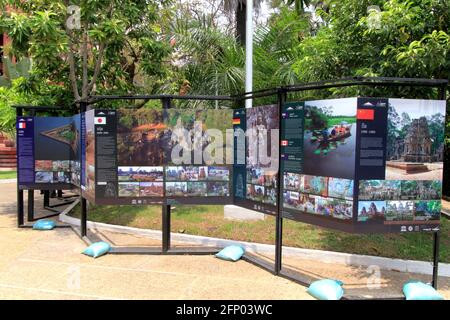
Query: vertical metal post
x=60 y=194
x=279 y=218
x=83 y=203
x=249 y=52
x=442 y=95
x=83 y=218
x=30 y=207
x=46 y=198
x=19 y=113
x=166 y=227
x=19 y=207
x=279 y=243
x=436 y=238
x=166 y=208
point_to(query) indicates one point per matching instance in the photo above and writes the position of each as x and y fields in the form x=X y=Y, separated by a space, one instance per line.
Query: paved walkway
x=48 y=265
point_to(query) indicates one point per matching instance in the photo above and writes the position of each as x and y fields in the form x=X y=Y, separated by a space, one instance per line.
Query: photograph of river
x=330 y=138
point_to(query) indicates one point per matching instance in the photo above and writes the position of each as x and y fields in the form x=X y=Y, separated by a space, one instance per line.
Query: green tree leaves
x=115 y=39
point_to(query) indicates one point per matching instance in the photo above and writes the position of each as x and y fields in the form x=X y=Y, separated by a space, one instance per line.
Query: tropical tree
x=14 y=70
x=115 y=44
x=299 y=5
x=206 y=60
x=239 y=8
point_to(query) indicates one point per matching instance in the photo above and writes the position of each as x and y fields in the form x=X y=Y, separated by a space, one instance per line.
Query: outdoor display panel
x=192 y=135
x=48 y=152
x=256 y=155
x=152 y=156
x=362 y=165
x=368 y=164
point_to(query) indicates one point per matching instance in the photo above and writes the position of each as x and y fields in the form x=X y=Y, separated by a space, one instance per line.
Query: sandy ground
x=360 y=282
x=48 y=265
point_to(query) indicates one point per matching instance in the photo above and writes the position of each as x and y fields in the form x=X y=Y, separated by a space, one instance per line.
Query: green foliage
x=17 y=94
x=68 y=135
x=9 y=97
x=14 y=70
x=122 y=38
x=317 y=119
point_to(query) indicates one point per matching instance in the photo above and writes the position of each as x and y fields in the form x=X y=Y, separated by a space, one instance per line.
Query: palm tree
x=208 y=59
x=301 y=5
x=239 y=8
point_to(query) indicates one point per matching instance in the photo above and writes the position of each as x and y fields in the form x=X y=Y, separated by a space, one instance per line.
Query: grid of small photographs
x=141 y=181
x=75 y=168
x=197 y=181
x=399 y=200
x=51 y=171
x=323 y=196
x=262 y=185
x=262 y=154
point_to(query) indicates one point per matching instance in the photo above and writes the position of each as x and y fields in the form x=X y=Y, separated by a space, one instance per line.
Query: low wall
x=414 y=266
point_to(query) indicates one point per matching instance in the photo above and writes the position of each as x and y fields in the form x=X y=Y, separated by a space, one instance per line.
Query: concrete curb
x=7 y=180
x=400 y=265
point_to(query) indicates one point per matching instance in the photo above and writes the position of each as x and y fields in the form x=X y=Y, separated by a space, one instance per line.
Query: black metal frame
x=281 y=93
x=166 y=102
x=440 y=84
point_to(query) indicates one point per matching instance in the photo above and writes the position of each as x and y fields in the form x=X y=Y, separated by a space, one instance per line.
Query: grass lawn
x=209 y=221
x=8 y=174
x=332 y=121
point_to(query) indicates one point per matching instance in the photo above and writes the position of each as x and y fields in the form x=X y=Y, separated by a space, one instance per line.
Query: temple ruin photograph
x=414 y=141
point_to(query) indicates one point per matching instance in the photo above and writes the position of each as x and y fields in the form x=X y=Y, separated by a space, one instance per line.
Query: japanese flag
x=100 y=120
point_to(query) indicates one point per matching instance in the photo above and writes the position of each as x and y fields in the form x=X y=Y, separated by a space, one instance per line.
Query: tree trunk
x=241 y=23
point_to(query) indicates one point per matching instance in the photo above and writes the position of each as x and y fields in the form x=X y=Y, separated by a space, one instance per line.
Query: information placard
x=368 y=165
x=148 y=156
x=257 y=180
x=48 y=152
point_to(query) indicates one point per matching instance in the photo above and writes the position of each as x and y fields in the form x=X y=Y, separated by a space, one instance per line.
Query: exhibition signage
x=369 y=165
x=48 y=154
x=256 y=180
x=144 y=156
x=356 y=164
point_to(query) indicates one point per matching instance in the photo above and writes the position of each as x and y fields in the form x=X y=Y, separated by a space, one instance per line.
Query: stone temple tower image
x=418 y=142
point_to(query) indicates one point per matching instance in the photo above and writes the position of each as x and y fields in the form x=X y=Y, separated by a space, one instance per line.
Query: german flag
x=236 y=121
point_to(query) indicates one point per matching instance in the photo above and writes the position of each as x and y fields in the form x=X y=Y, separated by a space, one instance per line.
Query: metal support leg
x=19 y=207
x=166 y=227
x=436 y=239
x=83 y=220
x=278 y=244
x=60 y=194
x=30 y=207
x=46 y=198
